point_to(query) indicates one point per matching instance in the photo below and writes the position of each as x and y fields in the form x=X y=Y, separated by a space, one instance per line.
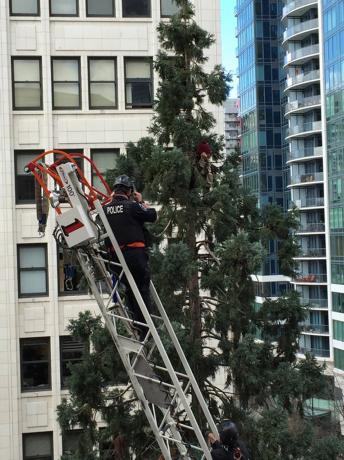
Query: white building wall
x=63 y=129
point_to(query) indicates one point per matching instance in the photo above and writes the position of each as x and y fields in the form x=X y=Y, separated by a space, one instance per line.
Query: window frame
x=165 y=16
x=16 y=176
x=143 y=59
x=66 y=58
x=63 y=384
x=19 y=270
x=13 y=82
x=113 y=15
x=50 y=433
x=76 y=432
x=38 y=3
x=135 y=16
x=37 y=340
x=105 y=58
x=107 y=150
x=65 y=15
x=61 y=292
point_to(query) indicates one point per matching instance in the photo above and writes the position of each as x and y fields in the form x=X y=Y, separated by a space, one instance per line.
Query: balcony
x=306 y=202
x=316 y=304
x=303 y=105
x=298 y=7
x=304 y=130
x=298 y=31
x=306 y=179
x=311 y=253
x=307 y=153
x=319 y=352
x=301 y=55
x=302 y=80
x=314 y=328
x=317 y=227
x=310 y=278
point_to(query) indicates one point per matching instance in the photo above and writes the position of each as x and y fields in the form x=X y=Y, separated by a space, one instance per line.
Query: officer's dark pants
x=137 y=261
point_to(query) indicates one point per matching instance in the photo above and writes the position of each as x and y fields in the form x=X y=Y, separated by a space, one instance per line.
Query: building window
x=136 y=8
x=70 y=441
x=38 y=446
x=105 y=160
x=138 y=83
x=24 y=182
x=102 y=83
x=338 y=358
x=32 y=270
x=71 y=279
x=168 y=8
x=338 y=302
x=106 y=446
x=24 y=7
x=71 y=352
x=64 y=8
x=66 y=83
x=100 y=8
x=35 y=364
x=27 y=83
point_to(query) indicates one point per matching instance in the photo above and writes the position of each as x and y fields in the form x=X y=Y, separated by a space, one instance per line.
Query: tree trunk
x=195 y=315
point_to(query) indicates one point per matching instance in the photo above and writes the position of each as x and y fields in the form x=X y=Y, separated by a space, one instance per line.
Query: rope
x=42 y=205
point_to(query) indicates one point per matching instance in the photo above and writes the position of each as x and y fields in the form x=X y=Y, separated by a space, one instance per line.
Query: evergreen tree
x=209 y=240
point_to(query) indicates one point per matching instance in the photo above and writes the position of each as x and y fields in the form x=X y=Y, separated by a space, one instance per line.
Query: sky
x=229 y=42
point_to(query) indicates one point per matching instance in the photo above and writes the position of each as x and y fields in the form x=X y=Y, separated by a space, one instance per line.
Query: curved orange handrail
x=38 y=166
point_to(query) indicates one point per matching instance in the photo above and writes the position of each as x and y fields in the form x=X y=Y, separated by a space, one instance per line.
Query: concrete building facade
x=232 y=125
x=75 y=76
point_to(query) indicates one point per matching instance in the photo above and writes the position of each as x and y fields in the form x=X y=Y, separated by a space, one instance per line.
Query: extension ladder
x=165 y=397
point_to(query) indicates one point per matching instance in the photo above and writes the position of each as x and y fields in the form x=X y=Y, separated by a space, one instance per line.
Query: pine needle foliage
x=209 y=240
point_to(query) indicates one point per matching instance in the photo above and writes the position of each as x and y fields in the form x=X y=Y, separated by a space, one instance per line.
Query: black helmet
x=229 y=433
x=123 y=181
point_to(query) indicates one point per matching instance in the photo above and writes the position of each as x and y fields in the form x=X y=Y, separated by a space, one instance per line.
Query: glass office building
x=333 y=58
x=261 y=108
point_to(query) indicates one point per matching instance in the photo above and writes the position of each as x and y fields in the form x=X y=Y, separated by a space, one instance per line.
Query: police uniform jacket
x=127 y=218
x=219 y=453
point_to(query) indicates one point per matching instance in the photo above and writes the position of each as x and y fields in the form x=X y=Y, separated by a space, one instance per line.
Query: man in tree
x=127 y=217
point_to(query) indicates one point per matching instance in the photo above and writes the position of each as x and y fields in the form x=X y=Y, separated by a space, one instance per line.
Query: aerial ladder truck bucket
x=165 y=394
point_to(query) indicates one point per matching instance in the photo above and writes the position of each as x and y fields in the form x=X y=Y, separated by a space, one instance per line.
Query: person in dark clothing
x=229 y=447
x=127 y=214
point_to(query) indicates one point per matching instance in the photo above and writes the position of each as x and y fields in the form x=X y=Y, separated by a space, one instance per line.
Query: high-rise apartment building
x=232 y=125
x=310 y=38
x=302 y=62
x=75 y=76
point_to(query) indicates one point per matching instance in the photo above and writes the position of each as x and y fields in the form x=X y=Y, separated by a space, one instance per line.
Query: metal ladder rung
x=159 y=382
x=157 y=317
x=179 y=374
x=129 y=320
x=187 y=427
x=181 y=442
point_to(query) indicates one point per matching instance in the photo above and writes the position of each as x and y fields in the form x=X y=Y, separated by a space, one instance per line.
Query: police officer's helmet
x=123 y=182
x=229 y=433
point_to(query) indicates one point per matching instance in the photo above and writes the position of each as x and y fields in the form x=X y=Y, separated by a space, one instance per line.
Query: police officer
x=230 y=447
x=127 y=214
